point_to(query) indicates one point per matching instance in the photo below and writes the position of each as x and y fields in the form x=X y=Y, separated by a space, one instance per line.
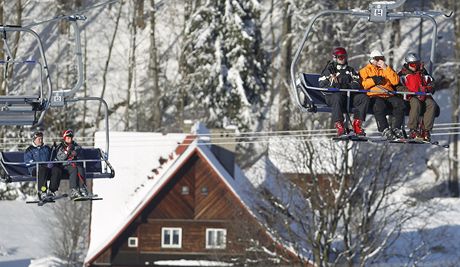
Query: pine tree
x=245 y=57
x=224 y=66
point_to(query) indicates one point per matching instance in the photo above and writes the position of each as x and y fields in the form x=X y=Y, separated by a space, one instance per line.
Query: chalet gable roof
x=145 y=192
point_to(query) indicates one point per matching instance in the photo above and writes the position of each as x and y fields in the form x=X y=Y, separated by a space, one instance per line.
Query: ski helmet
x=67 y=132
x=411 y=57
x=376 y=53
x=339 y=53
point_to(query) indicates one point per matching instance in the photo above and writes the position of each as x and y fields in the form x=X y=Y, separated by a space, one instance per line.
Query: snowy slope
x=23 y=232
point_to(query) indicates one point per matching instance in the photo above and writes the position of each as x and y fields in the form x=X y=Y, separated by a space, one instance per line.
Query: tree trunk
x=154 y=71
x=284 y=110
x=273 y=54
x=140 y=22
x=453 y=181
x=181 y=94
x=2 y=55
x=131 y=68
x=106 y=66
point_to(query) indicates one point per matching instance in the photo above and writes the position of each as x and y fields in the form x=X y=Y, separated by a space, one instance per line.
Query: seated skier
x=37 y=152
x=68 y=150
x=380 y=79
x=416 y=79
x=338 y=74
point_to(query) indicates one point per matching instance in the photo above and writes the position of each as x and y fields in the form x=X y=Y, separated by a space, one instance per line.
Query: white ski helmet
x=376 y=53
x=411 y=57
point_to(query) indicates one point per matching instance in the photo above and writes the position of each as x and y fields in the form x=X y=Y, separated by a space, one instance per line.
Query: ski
x=418 y=141
x=87 y=199
x=90 y=197
x=350 y=137
x=46 y=200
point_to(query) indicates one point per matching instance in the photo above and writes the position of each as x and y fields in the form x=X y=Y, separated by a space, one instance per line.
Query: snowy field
x=23 y=234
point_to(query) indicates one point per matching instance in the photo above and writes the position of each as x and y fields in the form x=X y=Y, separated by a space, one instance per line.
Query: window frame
x=216 y=230
x=171 y=229
x=136 y=242
x=185 y=190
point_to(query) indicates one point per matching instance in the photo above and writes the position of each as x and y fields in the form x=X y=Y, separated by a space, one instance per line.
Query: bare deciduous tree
x=154 y=71
x=341 y=200
x=286 y=58
x=107 y=61
x=69 y=230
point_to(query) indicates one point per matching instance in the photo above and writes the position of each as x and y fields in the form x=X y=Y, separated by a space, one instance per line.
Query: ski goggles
x=414 y=64
x=341 y=57
x=379 y=58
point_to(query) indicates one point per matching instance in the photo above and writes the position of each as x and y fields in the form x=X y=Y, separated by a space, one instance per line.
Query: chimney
x=223 y=145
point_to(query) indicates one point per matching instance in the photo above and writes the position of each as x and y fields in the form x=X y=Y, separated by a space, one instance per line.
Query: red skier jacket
x=418 y=81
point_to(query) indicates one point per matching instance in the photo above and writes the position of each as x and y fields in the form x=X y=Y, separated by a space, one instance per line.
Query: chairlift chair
x=305 y=90
x=25 y=109
x=12 y=165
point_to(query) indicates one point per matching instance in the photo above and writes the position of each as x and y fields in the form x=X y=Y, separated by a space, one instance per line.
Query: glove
x=49 y=165
x=378 y=79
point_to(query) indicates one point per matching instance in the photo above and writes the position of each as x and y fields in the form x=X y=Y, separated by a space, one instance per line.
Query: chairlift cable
x=243 y=135
x=270 y=139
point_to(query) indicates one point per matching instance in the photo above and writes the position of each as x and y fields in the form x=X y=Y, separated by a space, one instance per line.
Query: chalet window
x=171 y=237
x=132 y=242
x=185 y=190
x=204 y=190
x=216 y=238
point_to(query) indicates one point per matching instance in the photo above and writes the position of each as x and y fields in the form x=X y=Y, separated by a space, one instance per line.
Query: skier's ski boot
x=42 y=194
x=50 y=194
x=426 y=136
x=340 y=128
x=413 y=134
x=388 y=134
x=398 y=133
x=84 y=192
x=74 y=194
x=357 y=127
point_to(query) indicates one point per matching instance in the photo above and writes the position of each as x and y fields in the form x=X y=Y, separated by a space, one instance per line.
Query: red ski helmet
x=66 y=133
x=339 y=51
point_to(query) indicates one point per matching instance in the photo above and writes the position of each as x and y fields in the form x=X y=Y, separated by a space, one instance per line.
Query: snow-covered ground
x=23 y=233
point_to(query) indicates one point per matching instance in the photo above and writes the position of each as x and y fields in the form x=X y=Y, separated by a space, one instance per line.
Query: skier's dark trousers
x=69 y=150
x=338 y=74
x=38 y=152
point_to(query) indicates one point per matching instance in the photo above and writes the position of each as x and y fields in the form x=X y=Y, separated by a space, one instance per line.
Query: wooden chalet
x=195 y=207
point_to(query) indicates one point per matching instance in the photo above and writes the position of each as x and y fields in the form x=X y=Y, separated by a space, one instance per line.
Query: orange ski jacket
x=391 y=80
